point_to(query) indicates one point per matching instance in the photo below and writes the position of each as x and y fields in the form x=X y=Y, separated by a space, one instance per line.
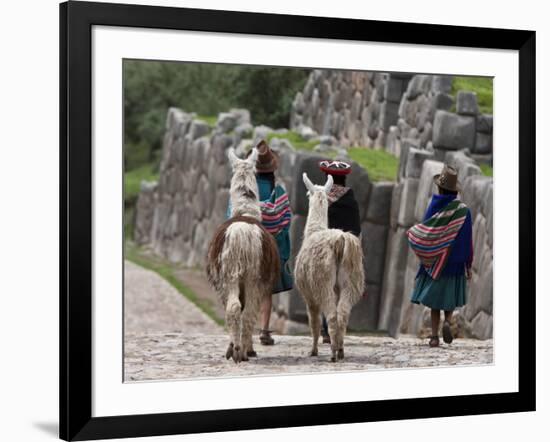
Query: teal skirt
x=284 y=282
x=445 y=293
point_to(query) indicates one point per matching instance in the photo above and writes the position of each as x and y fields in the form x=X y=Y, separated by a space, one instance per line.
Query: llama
x=328 y=271
x=242 y=261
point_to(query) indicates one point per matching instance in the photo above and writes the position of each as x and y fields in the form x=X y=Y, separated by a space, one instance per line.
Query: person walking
x=276 y=218
x=443 y=243
x=343 y=210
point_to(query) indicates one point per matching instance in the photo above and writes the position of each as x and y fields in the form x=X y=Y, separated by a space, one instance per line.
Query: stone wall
x=177 y=216
x=389 y=110
x=357 y=108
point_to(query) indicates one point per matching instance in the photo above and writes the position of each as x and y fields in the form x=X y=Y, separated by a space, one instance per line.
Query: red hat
x=333 y=167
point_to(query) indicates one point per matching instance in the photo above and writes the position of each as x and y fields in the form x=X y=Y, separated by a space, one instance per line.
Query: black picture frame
x=76 y=21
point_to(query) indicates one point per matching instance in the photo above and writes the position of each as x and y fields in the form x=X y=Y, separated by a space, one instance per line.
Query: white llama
x=242 y=262
x=328 y=270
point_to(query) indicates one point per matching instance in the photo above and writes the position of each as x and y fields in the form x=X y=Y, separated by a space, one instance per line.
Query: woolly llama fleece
x=242 y=261
x=328 y=271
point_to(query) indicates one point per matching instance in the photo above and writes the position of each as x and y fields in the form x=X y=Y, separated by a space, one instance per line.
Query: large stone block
x=465 y=165
x=487 y=210
x=391 y=300
x=479 y=239
x=202 y=146
x=296 y=306
x=475 y=188
x=198 y=129
x=395 y=204
x=426 y=187
x=378 y=210
x=364 y=315
x=415 y=160
x=482 y=326
x=394 y=88
x=442 y=101
x=393 y=144
x=226 y=122
x=481 y=292
x=406 y=144
x=388 y=114
x=426 y=135
x=143 y=215
x=297 y=227
x=359 y=181
x=309 y=163
x=466 y=103
x=373 y=241
x=407 y=207
x=408 y=110
x=241 y=115
x=452 y=131
x=483 y=144
x=261 y=133
x=442 y=83
x=419 y=84
x=424 y=112
x=410 y=313
x=485 y=123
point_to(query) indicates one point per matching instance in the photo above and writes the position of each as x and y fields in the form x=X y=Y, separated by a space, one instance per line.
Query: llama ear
x=309 y=185
x=232 y=157
x=329 y=183
x=253 y=156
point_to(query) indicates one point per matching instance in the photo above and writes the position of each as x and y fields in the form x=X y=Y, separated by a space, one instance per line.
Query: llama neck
x=244 y=199
x=317 y=218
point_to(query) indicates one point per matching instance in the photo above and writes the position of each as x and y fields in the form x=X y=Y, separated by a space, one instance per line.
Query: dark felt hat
x=268 y=160
x=448 y=179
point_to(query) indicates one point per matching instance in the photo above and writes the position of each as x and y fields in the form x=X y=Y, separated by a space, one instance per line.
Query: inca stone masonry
x=408 y=115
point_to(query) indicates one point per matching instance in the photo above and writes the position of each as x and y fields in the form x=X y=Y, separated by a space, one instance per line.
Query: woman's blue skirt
x=445 y=293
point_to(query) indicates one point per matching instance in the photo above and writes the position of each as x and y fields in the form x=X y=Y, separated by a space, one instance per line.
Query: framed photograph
x=274 y=220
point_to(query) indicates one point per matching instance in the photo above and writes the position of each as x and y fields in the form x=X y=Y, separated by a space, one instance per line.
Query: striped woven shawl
x=276 y=211
x=432 y=239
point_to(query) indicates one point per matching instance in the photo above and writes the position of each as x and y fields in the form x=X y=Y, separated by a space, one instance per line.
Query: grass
x=166 y=271
x=133 y=179
x=381 y=165
x=295 y=139
x=135 y=155
x=211 y=120
x=486 y=169
x=482 y=86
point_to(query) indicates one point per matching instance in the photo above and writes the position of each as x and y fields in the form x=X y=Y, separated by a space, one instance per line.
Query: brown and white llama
x=328 y=271
x=242 y=261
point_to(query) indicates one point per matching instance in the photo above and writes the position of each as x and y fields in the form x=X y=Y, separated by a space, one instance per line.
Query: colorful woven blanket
x=432 y=239
x=276 y=211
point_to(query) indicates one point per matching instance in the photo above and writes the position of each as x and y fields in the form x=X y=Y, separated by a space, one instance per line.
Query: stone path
x=179 y=356
x=168 y=337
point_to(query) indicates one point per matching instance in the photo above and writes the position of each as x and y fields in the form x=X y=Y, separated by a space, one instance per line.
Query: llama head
x=244 y=188
x=316 y=193
x=248 y=164
x=318 y=204
x=314 y=188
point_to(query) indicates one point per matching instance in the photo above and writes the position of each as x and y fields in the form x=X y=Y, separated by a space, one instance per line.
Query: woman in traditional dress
x=276 y=217
x=443 y=242
x=343 y=210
